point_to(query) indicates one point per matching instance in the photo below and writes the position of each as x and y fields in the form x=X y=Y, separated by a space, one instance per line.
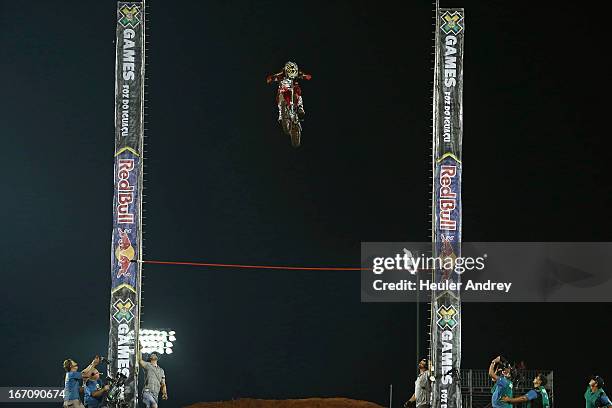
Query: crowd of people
x=503 y=375
x=84 y=389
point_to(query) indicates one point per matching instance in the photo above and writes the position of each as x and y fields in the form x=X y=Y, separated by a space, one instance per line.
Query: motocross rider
x=288 y=77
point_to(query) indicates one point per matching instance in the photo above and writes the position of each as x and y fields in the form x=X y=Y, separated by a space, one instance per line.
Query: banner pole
x=445 y=344
x=126 y=239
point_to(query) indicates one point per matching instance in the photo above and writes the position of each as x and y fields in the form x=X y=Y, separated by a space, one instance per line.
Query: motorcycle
x=290 y=120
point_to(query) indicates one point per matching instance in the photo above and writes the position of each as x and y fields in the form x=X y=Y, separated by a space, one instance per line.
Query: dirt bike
x=290 y=121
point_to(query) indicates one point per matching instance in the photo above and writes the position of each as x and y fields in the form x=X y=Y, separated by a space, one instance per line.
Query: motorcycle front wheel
x=295 y=132
x=291 y=126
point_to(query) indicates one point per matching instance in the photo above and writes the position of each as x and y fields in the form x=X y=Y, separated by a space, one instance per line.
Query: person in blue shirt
x=503 y=383
x=73 y=379
x=93 y=391
x=535 y=398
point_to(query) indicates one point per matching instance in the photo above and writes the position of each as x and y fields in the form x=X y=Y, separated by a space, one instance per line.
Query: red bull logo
x=125 y=191
x=125 y=253
x=447 y=198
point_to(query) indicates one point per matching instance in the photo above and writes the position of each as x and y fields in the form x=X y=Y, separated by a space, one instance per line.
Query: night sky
x=224 y=185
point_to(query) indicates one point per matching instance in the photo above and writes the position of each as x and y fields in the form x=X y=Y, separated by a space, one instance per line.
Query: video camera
x=116 y=394
x=502 y=365
x=505 y=364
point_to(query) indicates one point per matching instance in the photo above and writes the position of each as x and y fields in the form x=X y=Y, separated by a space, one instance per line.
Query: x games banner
x=446 y=212
x=127 y=202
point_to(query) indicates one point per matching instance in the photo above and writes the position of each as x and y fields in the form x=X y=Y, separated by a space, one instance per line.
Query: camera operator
x=535 y=398
x=422 y=387
x=503 y=383
x=72 y=381
x=155 y=380
x=94 y=392
x=595 y=396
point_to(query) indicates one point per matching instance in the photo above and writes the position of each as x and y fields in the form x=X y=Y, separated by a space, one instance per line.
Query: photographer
x=155 y=380
x=93 y=391
x=421 y=387
x=535 y=398
x=503 y=382
x=595 y=396
x=72 y=381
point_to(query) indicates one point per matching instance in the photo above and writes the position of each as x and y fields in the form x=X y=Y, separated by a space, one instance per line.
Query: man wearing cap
x=155 y=380
x=93 y=392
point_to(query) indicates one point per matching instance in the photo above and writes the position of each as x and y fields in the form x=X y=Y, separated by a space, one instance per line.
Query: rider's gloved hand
x=307 y=76
x=269 y=79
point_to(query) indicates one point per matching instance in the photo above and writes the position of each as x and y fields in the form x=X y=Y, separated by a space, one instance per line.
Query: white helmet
x=291 y=70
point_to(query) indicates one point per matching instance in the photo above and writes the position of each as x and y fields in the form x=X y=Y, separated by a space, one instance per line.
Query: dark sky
x=224 y=185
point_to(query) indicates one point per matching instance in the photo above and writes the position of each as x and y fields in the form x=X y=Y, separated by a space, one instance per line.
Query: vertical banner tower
x=127 y=203
x=445 y=342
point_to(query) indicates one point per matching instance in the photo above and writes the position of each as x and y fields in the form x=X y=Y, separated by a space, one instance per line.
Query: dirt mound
x=292 y=403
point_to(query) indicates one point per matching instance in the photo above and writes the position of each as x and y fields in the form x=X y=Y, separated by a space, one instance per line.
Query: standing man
x=72 y=382
x=503 y=384
x=595 y=396
x=93 y=391
x=155 y=380
x=422 y=387
x=535 y=398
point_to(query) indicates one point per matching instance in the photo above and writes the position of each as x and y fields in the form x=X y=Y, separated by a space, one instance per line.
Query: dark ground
x=301 y=403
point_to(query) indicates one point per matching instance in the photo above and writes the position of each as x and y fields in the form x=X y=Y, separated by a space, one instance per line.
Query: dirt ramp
x=292 y=403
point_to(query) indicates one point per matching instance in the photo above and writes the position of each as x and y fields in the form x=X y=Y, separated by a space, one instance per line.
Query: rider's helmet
x=291 y=70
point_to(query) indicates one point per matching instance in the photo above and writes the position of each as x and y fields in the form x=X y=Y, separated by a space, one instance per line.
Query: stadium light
x=159 y=341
